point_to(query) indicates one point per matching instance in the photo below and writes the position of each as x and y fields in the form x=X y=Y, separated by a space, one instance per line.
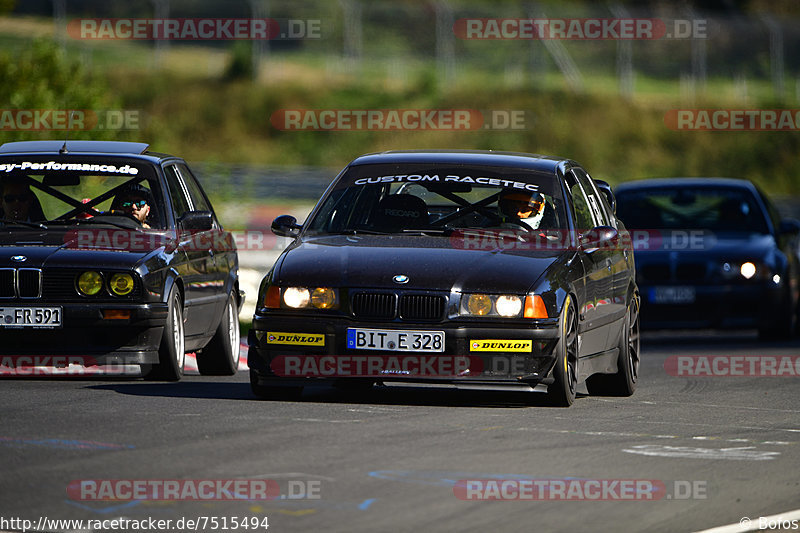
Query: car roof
x=466 y=157
x=56 y=147
x=672 y=183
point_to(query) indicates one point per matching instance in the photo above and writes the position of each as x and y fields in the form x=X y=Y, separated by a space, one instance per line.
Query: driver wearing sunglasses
x=133 y=201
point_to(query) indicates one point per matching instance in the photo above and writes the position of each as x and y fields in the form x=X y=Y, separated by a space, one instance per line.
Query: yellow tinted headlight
x=121 y=284
x=479 y=304
x=323 y=298
x=90 y=283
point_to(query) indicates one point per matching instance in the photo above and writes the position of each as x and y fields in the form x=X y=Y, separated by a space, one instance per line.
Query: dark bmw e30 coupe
x=112 y=255
x=452 y=267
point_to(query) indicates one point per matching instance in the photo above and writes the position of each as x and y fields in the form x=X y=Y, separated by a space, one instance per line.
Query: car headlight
x=303 y=297
x=296 y=297
x=508 y=306
x=90 y=283
x=497 y=305
x=323 y=298
x=121 y=284
x=748 y=270
x=479 y=304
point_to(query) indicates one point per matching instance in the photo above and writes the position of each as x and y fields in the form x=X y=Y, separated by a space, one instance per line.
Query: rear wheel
x=171 y=353
x=562 y=392
x=220 y=357
x=623 y=383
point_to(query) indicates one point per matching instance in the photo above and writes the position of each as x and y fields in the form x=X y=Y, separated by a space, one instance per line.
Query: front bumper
x=86 y=334
x=528 y=361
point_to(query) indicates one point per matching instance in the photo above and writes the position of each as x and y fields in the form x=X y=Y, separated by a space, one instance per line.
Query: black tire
x=220 y=357
x=276 y=392
x=623 y=383
x=565 y=371
x=171 y=353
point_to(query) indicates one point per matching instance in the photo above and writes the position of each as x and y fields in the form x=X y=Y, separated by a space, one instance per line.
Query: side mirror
x=605 y=189
x=599 y=237
x=196 y=221
x=286 y=226
x=789 y=226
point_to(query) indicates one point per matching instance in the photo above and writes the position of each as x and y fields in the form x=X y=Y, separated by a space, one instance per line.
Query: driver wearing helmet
x=521 y=207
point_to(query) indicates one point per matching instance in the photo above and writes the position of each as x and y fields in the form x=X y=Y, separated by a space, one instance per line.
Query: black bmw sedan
x=112 y=255
x=460 y=267
x=712 y=253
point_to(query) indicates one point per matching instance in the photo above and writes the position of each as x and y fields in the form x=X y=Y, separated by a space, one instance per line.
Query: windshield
x=70 y=190
x=704 y=208
x=435 y=199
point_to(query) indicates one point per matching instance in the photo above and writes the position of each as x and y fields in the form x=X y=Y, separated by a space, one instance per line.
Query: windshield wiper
x=428 y=231
x=359 y=232
x=9 y=222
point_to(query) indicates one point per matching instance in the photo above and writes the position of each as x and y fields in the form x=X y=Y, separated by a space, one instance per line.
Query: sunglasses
x=137 y=203
x=10 y=198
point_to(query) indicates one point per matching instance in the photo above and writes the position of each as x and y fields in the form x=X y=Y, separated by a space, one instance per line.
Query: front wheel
x=562 y=392
x=220 y=357
x=623 y=383
x=171 y=353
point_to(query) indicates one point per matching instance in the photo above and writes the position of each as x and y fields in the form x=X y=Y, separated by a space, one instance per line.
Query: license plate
x=672 y=295
x=395 y=340
x=30 y=317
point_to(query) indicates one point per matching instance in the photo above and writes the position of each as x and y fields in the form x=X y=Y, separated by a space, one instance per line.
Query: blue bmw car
x=712 y=253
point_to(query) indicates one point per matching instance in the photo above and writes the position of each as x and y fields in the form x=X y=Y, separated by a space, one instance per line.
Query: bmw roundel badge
x=401 y=278
x=19 y=258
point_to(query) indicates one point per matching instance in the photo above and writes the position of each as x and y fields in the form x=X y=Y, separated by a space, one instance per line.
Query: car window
x=583 y=213
x=199 y=202
x=180 y=204
x=78 y=190
x=706 y=208
x=593 y=196
x=439 y=198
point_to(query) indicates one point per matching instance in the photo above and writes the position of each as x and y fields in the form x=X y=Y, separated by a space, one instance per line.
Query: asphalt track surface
x=391 y=459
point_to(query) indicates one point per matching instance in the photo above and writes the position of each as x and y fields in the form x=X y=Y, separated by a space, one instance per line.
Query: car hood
x=431 y=263
x=64 y=249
